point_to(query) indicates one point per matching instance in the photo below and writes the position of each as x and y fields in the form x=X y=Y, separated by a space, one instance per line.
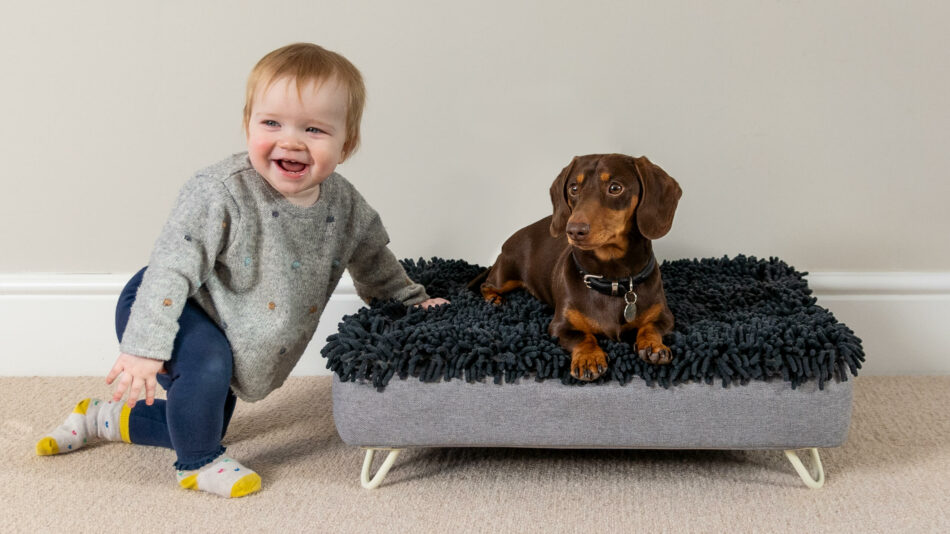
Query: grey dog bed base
x=759 y=415
x=547 y=414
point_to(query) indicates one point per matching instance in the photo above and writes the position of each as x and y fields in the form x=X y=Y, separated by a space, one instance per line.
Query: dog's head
x=600 y=199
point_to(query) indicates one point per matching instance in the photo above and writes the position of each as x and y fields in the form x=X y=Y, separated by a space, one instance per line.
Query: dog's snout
x=578 y=231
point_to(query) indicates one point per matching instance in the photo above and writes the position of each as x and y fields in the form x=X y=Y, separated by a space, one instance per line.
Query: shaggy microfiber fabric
x=737 y=319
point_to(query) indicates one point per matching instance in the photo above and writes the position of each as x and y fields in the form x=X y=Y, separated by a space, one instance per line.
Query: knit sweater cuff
x=412 y=294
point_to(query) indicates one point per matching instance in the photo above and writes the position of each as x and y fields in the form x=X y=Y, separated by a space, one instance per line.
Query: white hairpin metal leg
x=807 y=478
x=813 y=482
x=383 y=469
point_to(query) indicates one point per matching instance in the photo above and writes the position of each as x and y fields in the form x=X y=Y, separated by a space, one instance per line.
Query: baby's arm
x=378 y=274
x=183 y=256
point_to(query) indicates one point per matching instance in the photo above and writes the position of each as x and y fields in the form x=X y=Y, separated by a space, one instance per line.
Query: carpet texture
x=892 y=475
x=736 y=319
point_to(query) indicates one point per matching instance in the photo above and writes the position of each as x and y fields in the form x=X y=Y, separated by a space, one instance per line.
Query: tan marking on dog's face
x=604 y=176
x=610 y=231
x=613 y=251
x=616 y=225
x=580 y=178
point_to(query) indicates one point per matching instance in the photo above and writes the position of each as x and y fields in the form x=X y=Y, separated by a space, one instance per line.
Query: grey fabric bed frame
x=760 y=415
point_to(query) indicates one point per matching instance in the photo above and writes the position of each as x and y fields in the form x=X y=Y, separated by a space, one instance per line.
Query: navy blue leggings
x=198 y=384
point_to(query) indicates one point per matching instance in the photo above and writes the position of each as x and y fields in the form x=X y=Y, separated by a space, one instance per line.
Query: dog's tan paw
x=656 y=355
x=492 y=297
x=588 y=366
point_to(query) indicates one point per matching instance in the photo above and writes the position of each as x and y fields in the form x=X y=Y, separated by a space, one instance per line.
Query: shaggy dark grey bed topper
x=737 y=320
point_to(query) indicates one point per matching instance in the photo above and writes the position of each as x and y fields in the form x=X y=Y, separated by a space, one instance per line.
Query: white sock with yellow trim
x=224 y=476
x=91 y=419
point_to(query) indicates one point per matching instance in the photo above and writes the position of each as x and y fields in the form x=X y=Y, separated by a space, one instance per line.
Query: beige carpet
x=893 y=475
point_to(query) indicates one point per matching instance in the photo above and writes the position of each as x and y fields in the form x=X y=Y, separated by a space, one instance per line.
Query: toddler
x=241 y=272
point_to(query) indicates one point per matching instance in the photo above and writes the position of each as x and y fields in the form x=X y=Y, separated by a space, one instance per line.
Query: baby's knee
x=209 y=361
x=217 y=367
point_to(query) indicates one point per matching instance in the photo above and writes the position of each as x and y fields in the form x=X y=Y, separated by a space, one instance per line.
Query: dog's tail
x=475 y=285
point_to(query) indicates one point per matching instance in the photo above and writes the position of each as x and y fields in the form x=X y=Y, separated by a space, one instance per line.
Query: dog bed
x=756 y=365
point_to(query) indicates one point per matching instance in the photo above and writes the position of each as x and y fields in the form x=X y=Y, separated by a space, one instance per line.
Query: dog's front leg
x=576 y=333
x=650 y=325
x=650 y=346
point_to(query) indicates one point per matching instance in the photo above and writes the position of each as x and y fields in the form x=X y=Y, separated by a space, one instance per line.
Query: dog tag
x=630 y=310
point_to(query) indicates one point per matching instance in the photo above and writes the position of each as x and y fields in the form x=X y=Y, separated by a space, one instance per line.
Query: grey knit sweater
x=262 y=268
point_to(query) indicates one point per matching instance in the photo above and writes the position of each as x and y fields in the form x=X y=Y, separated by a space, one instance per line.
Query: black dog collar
x=614 y=288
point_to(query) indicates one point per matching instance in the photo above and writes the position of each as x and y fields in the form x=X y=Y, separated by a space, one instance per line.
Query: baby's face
x=295 y=141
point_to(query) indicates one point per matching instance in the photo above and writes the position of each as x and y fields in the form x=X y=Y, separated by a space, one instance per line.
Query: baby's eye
x=271 y=124
x=314 y=130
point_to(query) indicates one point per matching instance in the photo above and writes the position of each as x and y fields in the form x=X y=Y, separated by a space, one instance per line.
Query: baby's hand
x=433 y=302
x=136 y=371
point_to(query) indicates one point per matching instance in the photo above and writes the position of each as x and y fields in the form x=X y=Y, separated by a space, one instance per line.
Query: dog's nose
x=578 y=231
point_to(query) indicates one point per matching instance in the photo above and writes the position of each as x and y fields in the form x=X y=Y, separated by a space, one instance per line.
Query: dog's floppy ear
x=561 y=210
x=659 y=194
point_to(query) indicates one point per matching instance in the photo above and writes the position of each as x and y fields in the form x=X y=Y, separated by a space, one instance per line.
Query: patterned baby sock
x=91 y=419
x=224 y=476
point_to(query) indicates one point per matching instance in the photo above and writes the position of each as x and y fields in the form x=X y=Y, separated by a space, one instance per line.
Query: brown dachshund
x=601 y=278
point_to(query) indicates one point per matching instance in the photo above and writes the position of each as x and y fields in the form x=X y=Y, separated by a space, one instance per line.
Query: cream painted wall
x=816 y=131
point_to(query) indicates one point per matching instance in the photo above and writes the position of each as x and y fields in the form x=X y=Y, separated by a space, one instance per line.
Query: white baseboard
x=62 y=324
x=901 y=318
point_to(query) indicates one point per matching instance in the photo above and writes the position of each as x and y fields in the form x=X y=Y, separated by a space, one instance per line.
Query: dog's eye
x=615 y=189
x=572 y=189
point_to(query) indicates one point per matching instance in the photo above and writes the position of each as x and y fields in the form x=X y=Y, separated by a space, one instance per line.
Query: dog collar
x=614 y=288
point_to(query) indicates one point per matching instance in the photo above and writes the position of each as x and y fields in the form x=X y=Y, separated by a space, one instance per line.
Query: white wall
x=815 y=131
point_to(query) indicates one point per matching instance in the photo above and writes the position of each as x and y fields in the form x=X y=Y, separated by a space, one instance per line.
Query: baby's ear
x=349 y=148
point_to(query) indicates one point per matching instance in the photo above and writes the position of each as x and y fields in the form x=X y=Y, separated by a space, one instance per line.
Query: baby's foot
x=224 y=476
x=91 y=419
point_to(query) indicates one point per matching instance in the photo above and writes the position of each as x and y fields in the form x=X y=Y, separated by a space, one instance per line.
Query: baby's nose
x=290 y=143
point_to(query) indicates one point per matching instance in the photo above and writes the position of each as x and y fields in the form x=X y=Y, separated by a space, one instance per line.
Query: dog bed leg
x=383 y=470
x=807 y=478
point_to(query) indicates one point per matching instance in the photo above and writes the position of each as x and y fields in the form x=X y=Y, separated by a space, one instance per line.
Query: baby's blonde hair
x=307 y=62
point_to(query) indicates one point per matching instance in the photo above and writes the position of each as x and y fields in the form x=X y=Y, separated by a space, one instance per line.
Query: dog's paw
x=657 y=356
x=492 y=297
x=588 y=366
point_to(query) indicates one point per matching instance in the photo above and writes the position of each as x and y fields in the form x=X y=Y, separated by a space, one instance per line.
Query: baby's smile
x=290 y=167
